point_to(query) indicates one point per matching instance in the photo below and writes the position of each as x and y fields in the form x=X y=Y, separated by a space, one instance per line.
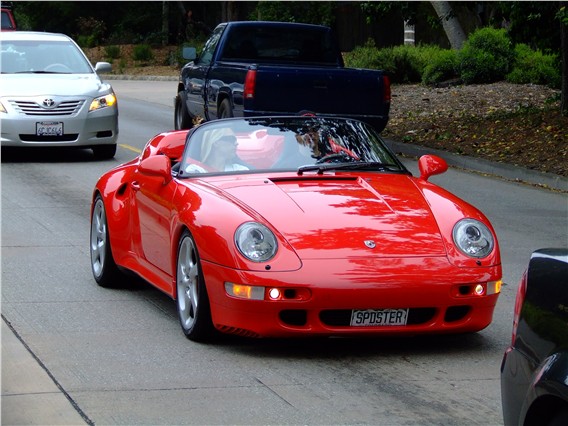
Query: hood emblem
x=370 y=243
x=48 y=103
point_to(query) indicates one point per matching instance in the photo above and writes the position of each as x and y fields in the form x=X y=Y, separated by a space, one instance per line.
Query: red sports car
x=291 y=226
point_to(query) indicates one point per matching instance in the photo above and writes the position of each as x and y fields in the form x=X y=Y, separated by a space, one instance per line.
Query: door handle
x=135 y=186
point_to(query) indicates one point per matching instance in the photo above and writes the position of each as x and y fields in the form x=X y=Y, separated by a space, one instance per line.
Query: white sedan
x=51 y=95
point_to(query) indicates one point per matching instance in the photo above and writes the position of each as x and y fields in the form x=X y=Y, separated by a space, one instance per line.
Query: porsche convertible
x=295 y=226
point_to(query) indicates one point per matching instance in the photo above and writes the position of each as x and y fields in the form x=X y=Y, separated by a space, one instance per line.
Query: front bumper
x=320 y=297
x=80 y=129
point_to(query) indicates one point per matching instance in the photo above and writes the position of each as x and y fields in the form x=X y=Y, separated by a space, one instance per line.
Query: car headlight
x=256 y=242
x=103 y=102
x=473 y=238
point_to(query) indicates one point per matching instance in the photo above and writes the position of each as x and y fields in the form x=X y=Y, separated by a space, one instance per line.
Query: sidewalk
x=30 y=396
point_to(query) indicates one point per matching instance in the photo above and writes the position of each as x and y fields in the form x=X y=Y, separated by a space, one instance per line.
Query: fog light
x=479 y=290
x=243 y=291
x=274 y=294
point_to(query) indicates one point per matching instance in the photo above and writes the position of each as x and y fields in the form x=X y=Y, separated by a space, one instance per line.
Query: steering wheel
x=339 y=157
x=57 y=68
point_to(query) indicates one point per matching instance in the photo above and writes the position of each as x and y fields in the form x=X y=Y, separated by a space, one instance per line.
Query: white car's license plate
x=49 y=128
x=374 y=317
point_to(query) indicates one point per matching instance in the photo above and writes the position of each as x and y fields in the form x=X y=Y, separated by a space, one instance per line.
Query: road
x=121 y=357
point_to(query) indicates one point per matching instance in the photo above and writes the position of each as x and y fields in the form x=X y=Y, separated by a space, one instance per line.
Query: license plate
x=49 y=128
x=374 y=317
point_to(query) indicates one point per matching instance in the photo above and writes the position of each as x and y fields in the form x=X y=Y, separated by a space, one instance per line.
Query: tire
x=225 y=110
x=560 y=418
x=182 y=119
x=104 y=152
x=105 y=271
x=192 y=300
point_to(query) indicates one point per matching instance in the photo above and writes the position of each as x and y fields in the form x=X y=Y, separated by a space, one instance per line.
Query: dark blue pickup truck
x=258 y=68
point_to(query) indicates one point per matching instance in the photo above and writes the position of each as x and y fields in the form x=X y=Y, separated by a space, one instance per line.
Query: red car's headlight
x=473 y=238
x=256 y=242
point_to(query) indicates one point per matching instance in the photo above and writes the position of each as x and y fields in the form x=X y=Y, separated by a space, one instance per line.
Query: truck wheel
x=182 y=119
x=225 y=110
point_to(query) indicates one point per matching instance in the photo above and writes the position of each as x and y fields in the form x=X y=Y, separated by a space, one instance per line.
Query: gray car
x=51 y=95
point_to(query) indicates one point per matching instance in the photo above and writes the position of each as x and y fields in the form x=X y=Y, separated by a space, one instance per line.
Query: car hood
x=23 y=85
x=384 y=216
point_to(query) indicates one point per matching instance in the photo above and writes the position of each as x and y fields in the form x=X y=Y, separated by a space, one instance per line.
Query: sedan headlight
x=256 y=242
x=473 y=238
x=103 y=102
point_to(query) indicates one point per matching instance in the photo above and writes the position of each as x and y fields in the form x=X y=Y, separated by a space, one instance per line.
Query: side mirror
x=430 y=165
x=189 y=53
x=158 y=166
x=103 y=67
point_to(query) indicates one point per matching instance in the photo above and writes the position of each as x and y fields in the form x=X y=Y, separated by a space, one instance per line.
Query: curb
x=139 y=77
x=505 y=171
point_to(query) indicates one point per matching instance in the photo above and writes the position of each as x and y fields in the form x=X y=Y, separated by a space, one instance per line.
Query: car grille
x=64 y=108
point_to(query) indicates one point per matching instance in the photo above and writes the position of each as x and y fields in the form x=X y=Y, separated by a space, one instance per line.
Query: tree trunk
x=564 y=48
x=165 y=26
x=450 y=22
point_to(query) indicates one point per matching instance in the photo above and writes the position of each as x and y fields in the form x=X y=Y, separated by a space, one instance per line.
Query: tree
x=563 y=17
x=450 y=22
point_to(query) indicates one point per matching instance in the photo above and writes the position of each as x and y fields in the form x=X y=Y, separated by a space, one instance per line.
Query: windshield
x=39 y=56
x=300 y=144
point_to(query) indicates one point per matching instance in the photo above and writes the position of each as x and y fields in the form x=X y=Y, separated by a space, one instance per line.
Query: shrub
x=112 y=52
x=142 y=52
x=441 y=67
x=409 y=62
x=535 y=67
x=366 y=56
x=486 y=56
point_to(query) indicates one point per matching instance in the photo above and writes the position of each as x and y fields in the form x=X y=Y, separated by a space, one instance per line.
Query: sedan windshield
x=302 y=144
x=42 y=57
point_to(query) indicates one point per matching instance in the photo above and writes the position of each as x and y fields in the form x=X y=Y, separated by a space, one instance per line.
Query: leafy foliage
x=142 y=52
x=319 y=12
x=405 y=64
x=486 y=56
x=534 y=67
x=112 y=52
x=441 y=67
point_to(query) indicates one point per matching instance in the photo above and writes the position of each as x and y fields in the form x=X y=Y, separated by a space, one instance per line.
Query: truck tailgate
x=323 y=90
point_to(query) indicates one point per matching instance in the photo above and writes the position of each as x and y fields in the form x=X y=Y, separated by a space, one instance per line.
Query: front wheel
x=225 y=109
x=104 y=152
x=192 y=300
x=104 y=268
x=182 y=119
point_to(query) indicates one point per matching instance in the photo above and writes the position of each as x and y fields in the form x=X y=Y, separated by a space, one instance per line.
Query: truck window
x=209 y=48
x=279 y=44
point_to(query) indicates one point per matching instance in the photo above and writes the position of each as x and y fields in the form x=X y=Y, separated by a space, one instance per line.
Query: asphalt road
x=121 y=358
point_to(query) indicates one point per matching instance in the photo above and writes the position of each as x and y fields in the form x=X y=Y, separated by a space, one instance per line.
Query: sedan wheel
x=104 y=268
x=192 y=300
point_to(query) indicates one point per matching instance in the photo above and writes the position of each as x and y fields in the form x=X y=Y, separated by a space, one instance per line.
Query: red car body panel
x=321 y=223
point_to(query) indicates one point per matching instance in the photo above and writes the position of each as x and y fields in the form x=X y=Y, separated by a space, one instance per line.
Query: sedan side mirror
x=157 y=165
x=430 y=165
x=103 y=67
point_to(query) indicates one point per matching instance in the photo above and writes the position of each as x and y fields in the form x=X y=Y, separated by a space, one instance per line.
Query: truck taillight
x=387 y=89
x=521 y=293
x=250 y=83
